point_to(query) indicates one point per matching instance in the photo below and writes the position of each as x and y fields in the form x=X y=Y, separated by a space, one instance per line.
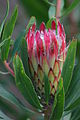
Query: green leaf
x=53 y=107
x=23 y=47
x=78 y=50
x=73 y=104
x=75 y=114
x=8 y=82
x=31 y=22
x=7 y=99
x=24 y=56
x=58 y=105
x=8 y=96
x=7 y=11
x=48 y=24
x=13 y=112
x=8 y=29
x=3 y=116
x=4 y=41
x=66 y=116
x=47 y=88
x=73 y=94
x=17 y=44
x=70 y=8
x=24 y=83
x=50 y=3
x=69 y=65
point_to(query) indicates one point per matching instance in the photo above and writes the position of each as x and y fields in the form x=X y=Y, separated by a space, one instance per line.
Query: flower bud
x=46 y=52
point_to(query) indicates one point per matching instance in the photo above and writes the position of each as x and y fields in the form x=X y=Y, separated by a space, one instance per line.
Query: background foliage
x=13 y=96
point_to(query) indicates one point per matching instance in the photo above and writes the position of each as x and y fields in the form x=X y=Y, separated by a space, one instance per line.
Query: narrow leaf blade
x=24 y=56
x=8 y=29
x=75 y=114
x=69 y=65
x=17 y=44
x=3 y=116
x=3 y=42
x=24 y=83
x=18 y=41
x=73 y=95
x=71 y=7
x=7 y=11
x=58 y=105
x=7 y=99
x=47 y=88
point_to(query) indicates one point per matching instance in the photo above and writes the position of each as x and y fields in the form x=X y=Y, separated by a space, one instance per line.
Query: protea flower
x=46 y=52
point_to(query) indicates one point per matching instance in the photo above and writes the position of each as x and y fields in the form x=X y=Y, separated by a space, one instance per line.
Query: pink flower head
x=46 y=51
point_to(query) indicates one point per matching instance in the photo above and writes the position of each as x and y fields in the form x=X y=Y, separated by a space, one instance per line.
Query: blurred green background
x=42 y=11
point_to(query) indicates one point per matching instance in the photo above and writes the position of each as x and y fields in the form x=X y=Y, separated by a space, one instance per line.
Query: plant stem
x=47 y=112
x=9 y=69
x=58 y=7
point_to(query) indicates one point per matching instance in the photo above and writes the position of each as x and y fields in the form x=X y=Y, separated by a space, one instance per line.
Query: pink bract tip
x=33 y=27
x=60 y=29
x=42 y=26
x=53 y=25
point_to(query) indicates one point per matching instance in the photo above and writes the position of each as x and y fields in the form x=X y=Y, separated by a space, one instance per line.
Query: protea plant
x=38 y=76
x=46 y=52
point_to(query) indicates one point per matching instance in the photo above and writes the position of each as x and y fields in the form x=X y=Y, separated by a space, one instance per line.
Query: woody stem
x=58 y=7
x=8 y=68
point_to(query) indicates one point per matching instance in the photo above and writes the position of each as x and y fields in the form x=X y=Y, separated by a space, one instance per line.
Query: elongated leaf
x=71 y=7
x=6 y=96
x=24 y=83
x=53 y=107
x=11 y=98
x=75 y=114
x=3 y=116
x=8 y=29
x=18 y=41
x=66 y=116
x=73 y=95
x=47 y=88
x=17 y=44
x=58 y=105
x=7 y=11
x=74 y=104
x=24 y=56
x=69 y=65
x=7 y=108
x=78 y=50
x=11 y=111
x=48 y=1
x=3 y=42
x=7 y=82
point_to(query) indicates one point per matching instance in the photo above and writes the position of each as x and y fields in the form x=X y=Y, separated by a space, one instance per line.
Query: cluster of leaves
x=67 y=99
